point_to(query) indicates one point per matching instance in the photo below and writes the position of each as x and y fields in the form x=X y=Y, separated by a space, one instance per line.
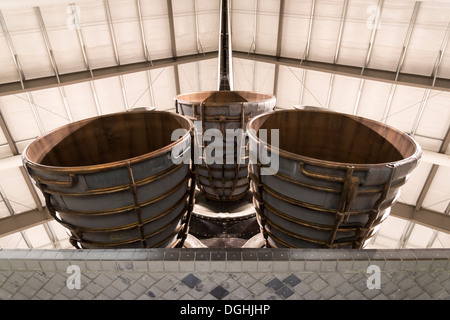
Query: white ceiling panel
x=127 y=32
x=390 y=37
x=26 y=37
x=409 y=193
x=438 y=196
x=243 y=74
x=373 y=100
x=13 y=241
x=444 y=70
x=442 y=240
x=16 y=190
x=267 y=26
x=109 y=94
x=405 y=106
x=4 y=212
x=50 y=107
x=428 y=143
x=38 y=237
x=343 y=96
x=208 y=74
x=357 y=32
x=189 y=79
x=156 y=26
x=8 y=71
x=390 y=232
x=81 y=101
x=315 y=90
x=96 y=35
x=164 y=88
x=208 y=24
x=427 y=37
x=289 y=87
x=435 y=119
x=295 y=28
x=5 y=151
x=419 y=237
x=184 y=24
x=242 y=25
x=137 y=87
x=59 y=23
x=327 y=19
x=263 y=81
x=19 y=117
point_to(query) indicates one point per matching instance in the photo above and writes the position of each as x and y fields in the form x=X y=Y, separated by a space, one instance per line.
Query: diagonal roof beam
x=278 y=50
x=173 y=45
x=101 y=73
x=413 y=80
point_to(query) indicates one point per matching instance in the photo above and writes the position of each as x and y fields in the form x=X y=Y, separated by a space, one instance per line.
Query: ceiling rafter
x=412 y=23
x=278 y=49
x=373 y=35
x=173 y=45
x=51 y=57
x=337 y=50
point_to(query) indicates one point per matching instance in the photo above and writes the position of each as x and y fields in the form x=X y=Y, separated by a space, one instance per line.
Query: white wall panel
x=426 y=40
x=81 y=101
x=137 y=87
x=325 y=30
x=50 y=107
x=435 y=119
x=295 y=28
x=373 y=100
x=59 y=23
x=109 y=93
x=164 y=88
x=19 y=117
x=289 y=87
x=390 y=37
x=343 y=96
x=357 y=32
x=28 y=42
x=404 y=107
x=438 y=196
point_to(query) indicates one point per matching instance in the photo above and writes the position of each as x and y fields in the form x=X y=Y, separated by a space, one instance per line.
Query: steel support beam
x=173 y=45
x=413 y=80
x=278 y=52
x=89 y=75
x=22 y=221
x=428 y=218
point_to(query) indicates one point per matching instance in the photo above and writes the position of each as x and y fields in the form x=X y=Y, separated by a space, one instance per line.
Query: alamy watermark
x=374 y=280
x=74 y=279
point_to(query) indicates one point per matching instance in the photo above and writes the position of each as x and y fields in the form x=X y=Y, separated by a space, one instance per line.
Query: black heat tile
x=217 y=255
x=191 y=281
x=280 y=255
x=187 y=256
x=172 y=255
x=275 y=284
x=292 y=280
x=265 y=255
x=202 y=255
x=219 y=292
x=234 y=255
x=284 y=292
x=156 y=254
x=249 y=255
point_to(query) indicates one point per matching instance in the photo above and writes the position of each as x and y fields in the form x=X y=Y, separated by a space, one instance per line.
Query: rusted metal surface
x=337 y=179
x=224 y=110
x=112 y=182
